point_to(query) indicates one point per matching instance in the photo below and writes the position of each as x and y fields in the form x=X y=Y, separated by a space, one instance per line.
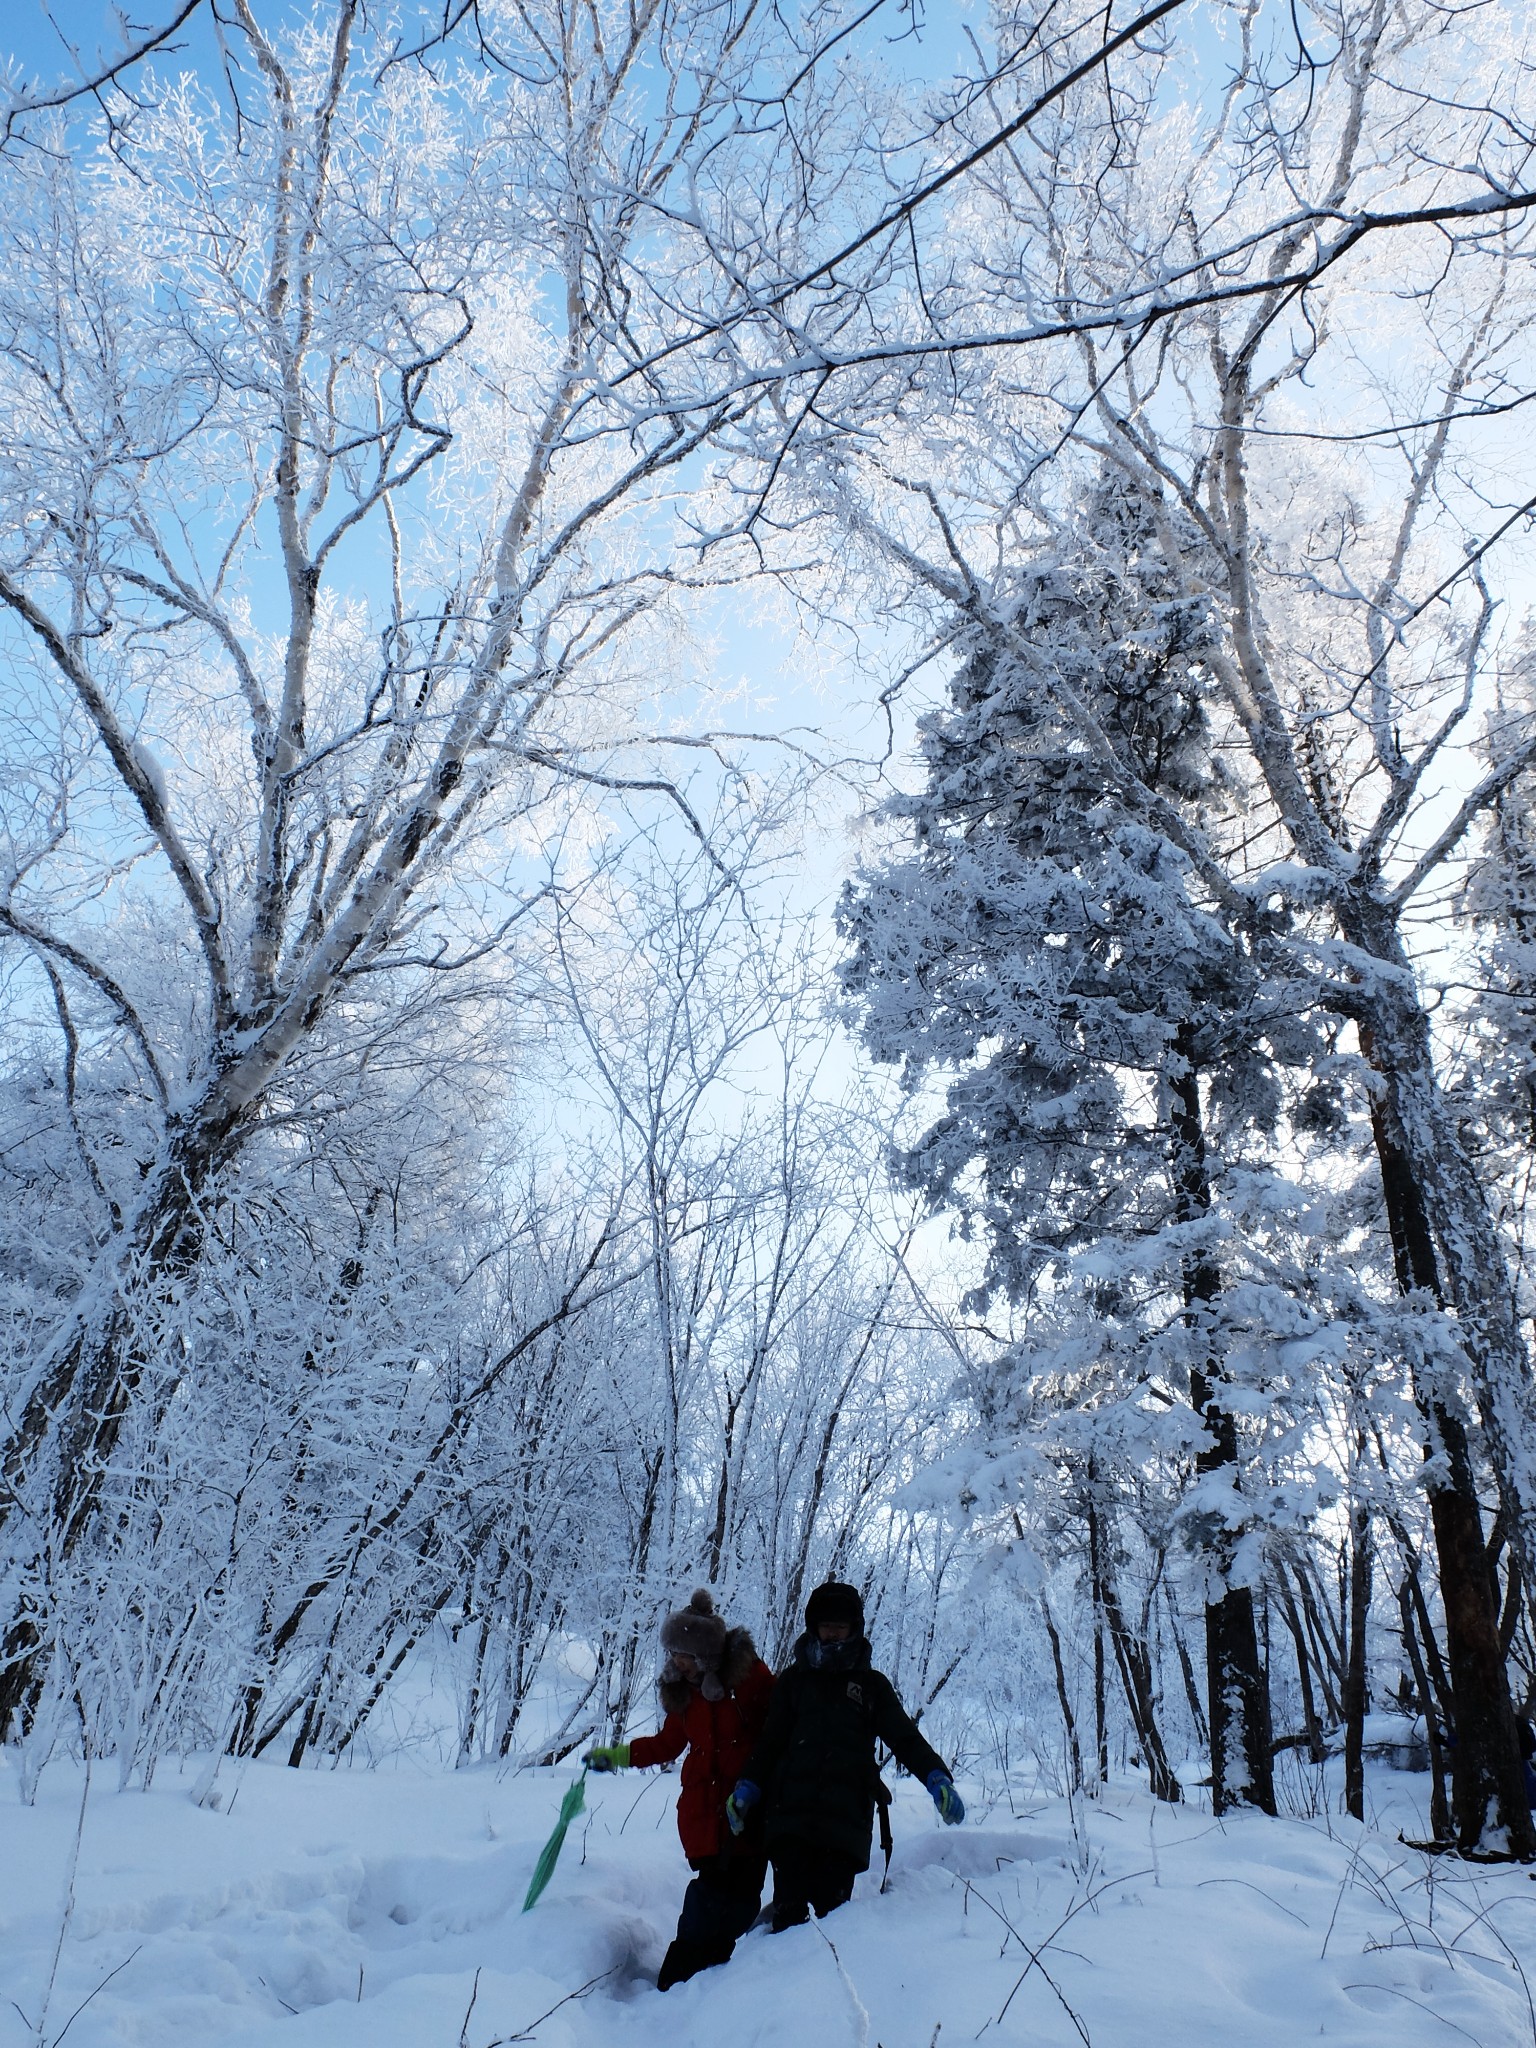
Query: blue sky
x=35 y=33
x=789 y=684
x=772 y=679
x=36 y=36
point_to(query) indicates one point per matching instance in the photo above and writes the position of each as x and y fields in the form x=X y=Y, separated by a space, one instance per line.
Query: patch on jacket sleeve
x=855 y=1692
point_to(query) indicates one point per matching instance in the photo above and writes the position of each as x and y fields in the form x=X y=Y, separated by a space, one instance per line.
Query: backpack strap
x=882 y=1793
x=887 y=1843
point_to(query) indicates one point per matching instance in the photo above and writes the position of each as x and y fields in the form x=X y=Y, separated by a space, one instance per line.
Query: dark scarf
x=818 y=1656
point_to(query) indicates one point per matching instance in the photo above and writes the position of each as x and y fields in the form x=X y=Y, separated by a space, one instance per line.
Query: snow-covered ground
x=381 y=1909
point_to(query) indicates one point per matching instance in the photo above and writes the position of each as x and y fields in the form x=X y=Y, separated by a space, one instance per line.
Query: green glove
x=615 y=1757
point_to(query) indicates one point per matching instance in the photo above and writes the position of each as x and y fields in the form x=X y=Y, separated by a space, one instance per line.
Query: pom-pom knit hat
x=696 y=1631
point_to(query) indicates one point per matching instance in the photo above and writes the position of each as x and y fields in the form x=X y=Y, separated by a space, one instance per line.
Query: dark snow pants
x=809 y=1879
x=718 y=1908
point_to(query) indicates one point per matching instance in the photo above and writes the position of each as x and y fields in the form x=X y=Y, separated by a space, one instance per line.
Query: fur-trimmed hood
x=736 y=1660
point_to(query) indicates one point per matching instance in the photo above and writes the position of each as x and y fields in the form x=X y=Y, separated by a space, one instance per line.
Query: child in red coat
x=714 y=1692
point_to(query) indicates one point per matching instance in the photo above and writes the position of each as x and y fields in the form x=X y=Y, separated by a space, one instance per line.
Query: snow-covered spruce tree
x=1344 y=686
x=1340 y=499
x=1045 y=945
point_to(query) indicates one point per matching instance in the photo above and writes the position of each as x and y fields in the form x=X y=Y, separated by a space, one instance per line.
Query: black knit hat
x=835 y=1602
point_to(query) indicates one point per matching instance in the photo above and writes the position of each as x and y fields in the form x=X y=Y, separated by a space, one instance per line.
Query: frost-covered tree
x=1499 y=909
x=1328 y=499
x=332 y=524
x=1044 y=946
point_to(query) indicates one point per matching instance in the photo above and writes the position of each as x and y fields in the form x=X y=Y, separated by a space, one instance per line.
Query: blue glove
x=941 y=1790
x=740 y=1804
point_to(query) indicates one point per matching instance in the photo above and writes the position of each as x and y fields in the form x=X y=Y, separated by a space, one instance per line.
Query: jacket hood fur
x=736 y=1660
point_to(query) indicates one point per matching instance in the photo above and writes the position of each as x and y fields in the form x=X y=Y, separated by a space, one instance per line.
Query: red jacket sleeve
x=660 y=1748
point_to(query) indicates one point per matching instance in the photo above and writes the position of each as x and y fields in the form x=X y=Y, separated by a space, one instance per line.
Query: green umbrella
x=549 y=1855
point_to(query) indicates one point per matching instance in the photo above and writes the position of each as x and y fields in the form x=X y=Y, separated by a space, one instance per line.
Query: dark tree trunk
x=1100 y=1696
x=715 y=1549
x=1131 y=1657
x=1068 y=1719
x=1242 y=1766
x=1140 y=1696
x=1509 y=1604
x=1439 y=1805
x=58 y=1450
x=1486 y=1774
x=1309 y=1721
x=1186 y=1670
x=1357 y=1669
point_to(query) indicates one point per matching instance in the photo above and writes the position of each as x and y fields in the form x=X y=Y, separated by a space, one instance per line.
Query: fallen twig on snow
x=474 y=1993
x=67 y=1913
x=80 y=2008
x=528 y=2032
x=860 y=2010
x=1088 y=1898
x=1440 y=2016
